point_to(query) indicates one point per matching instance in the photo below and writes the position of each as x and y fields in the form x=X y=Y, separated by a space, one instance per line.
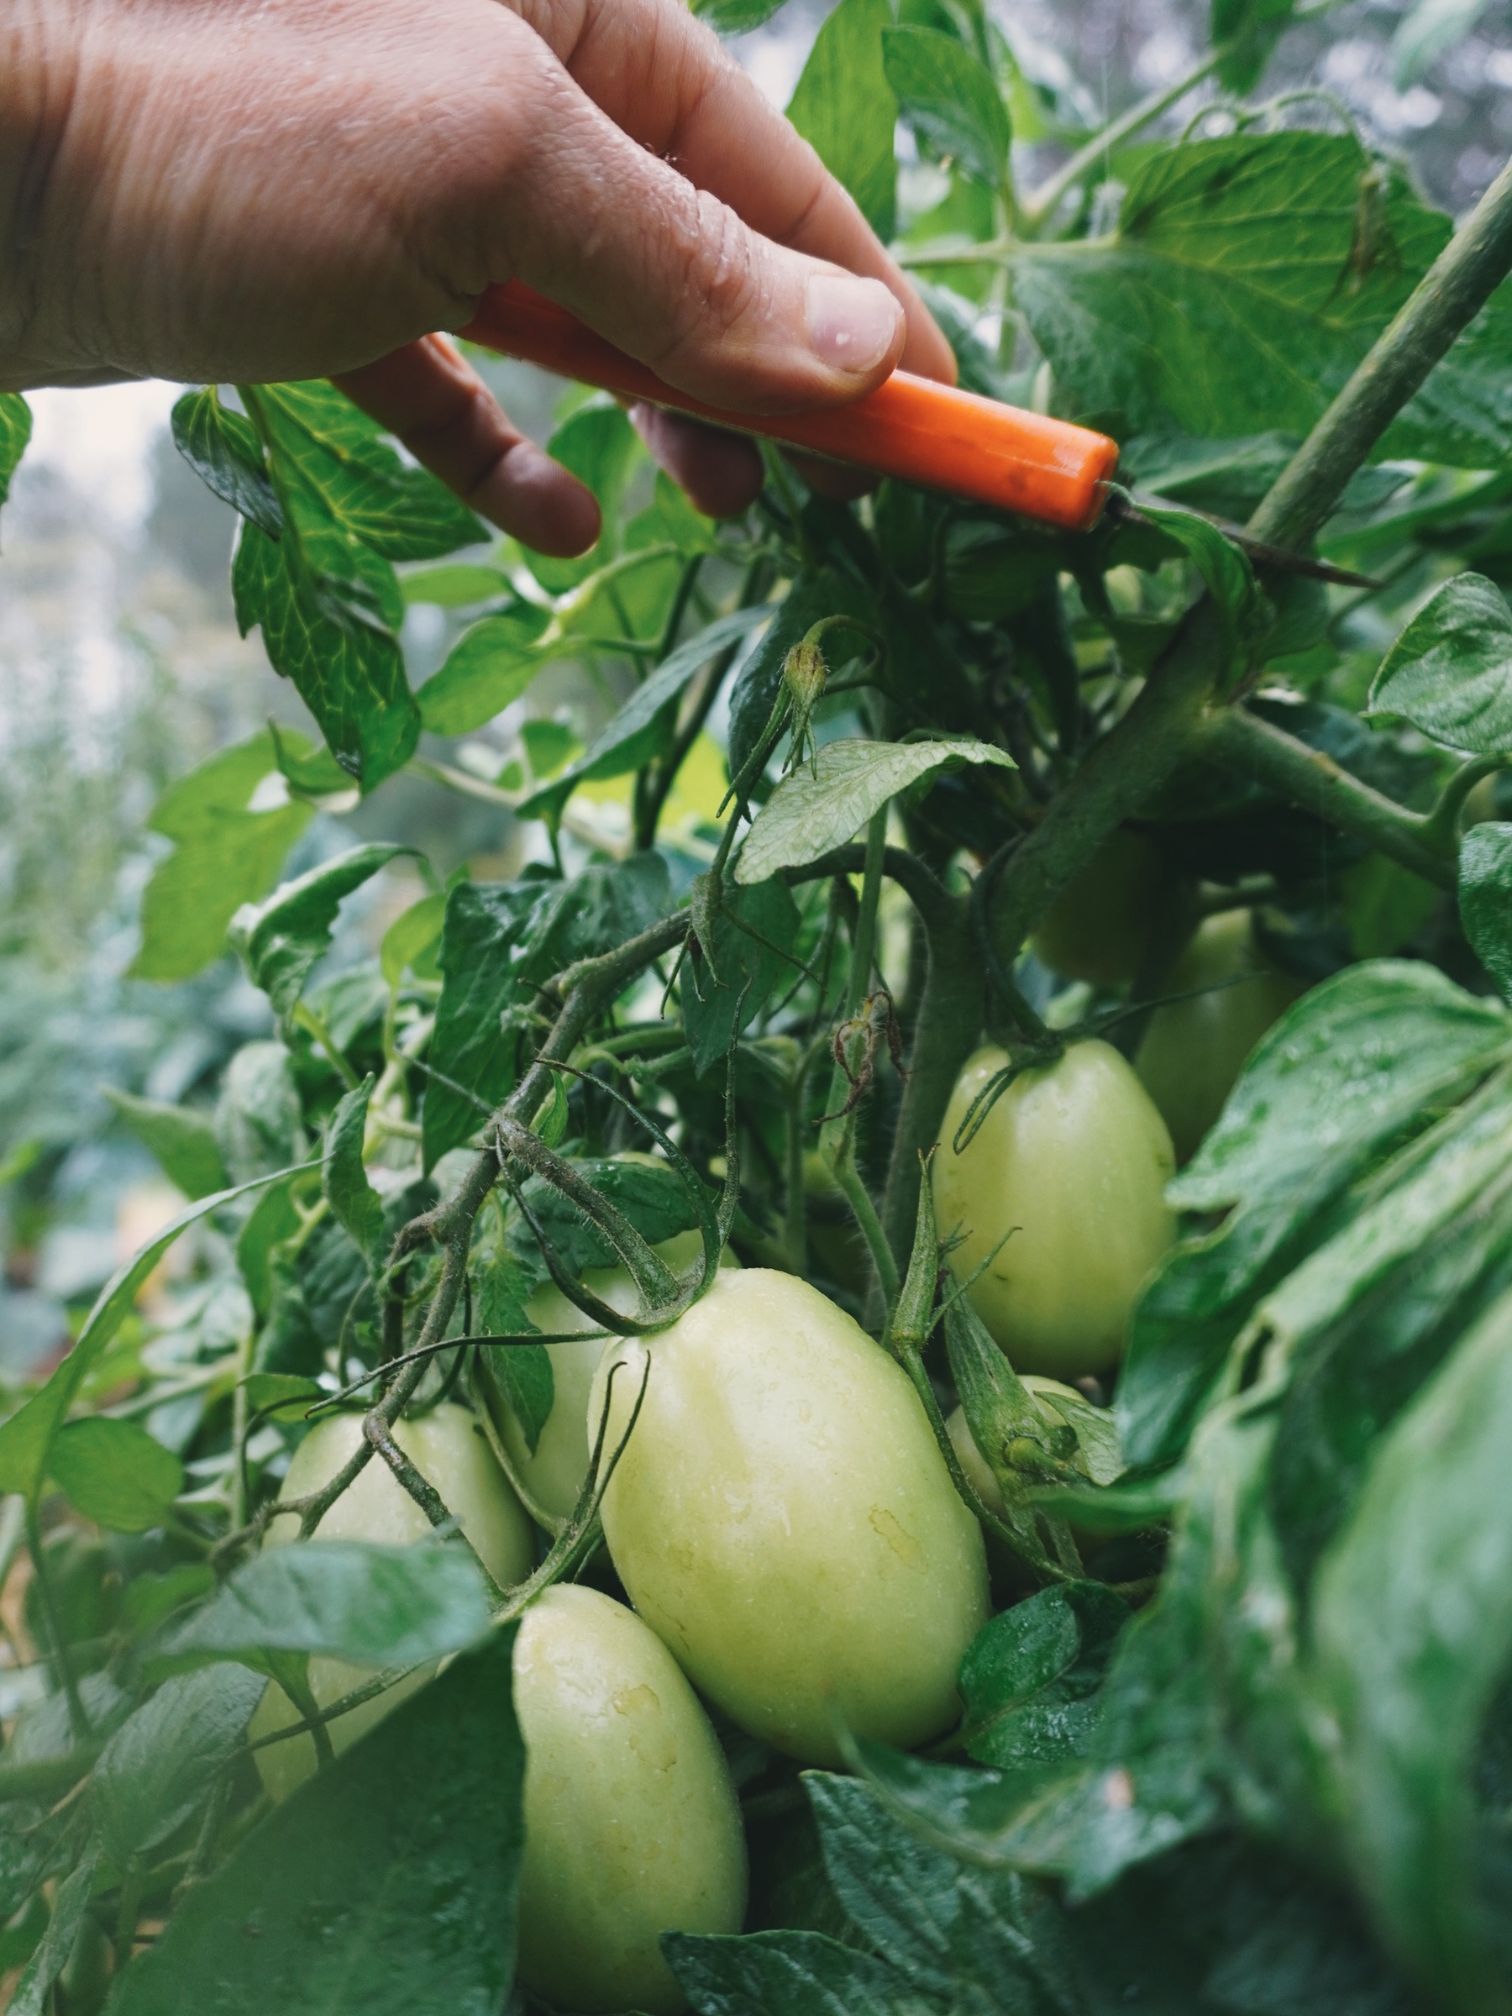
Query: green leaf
x=32 y=1993
x=333 y=450
x=455 y=584
x=650 y=1194
x=470 y=1046
x=411 y=941
x=281 y=940
x=844 y=107
x=257 y=1118
x=726 y=983
x=326 y=607
x=1429 y=31
x=1246 y=278
x=180 y=1138
x=1450 y=671
x=1407 y=1683
x=488 y=668
x=735 y=17
x=223 y=450
x=798 y=1973
x=1485 y=898
x=813 y=811
x=115 y=1473
x=344 y=1176
x=27 y=1438
x=1245 y=32
x=232 y=834
x=520 y=1375
x=384 y=1885
x=1226 y=574
x=343 y=1599
x=635 y=733
x=1031 y=1679
x=15 y=432
x=161 y=1764
x=947 y=95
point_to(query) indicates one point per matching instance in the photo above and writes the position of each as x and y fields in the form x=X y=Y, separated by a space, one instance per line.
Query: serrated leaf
x=115 y=1473
x=1485 y=898
x=798 y=1973
x=231 y=836
x=27 y=1438
x=281 y=940
x=844 y=107
x=324 y=1892
x=374 y=1606
x=162 y=1762
x=631 y=737
x=180 y=1138
x=520 y=1374
x=1031 y=1678
x=479 y=940
x=947 y=95
x=344 y=1176
x=1409 y=1681
x=15 y=432
x=223 y=450
x=1450 y=671
x=490 y=666
x=815 y=810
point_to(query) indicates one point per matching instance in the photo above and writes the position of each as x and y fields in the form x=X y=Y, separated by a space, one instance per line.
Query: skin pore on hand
x=308 y=188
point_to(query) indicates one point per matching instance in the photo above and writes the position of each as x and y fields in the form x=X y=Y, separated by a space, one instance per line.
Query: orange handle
x=909 y=427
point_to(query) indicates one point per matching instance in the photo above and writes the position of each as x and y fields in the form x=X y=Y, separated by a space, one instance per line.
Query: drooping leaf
x=32 y=1995
x=1226 y=574
x=375 y=1606
x=344 y=1177
x=1485 y=898
x=223 y=450
x=815 y=810
x=947 y=95
x=520 y=1375
x=281 y=940
x=115 y=1473
x=257 y=1118
x=315 y=1912
x=1450 y=671
x=27 y=1438
x=411 y=942
x=231 y=834
x=471 y=1047
x=1031 y=1678
x=15 y=432
x=488 y=667
x=725 y=982
x=1246 y=31
x=181 y=1139
x=844 y=107
x=161 y=1764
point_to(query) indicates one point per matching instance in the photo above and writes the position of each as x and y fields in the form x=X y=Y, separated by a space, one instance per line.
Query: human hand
x=213 y=190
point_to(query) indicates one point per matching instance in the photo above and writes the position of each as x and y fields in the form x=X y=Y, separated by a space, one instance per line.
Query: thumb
x=672 y=275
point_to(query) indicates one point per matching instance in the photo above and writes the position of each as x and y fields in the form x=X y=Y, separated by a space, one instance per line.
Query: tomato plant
x=763 y=1150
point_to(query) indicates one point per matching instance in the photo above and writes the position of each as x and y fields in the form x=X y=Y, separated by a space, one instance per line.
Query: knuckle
x=720 y=281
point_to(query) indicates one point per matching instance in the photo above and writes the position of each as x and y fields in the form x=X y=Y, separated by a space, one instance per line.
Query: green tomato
x=447 y=1445
x=1072 y=1160
x=550 y=1476
x=1103 y=923
x=1192 y=1051
x=783 y=1519
x=632 y=1827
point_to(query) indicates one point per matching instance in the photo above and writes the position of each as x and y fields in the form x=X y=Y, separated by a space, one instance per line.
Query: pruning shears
x=913 y=428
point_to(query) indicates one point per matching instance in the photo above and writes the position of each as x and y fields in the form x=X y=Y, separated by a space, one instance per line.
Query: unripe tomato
x=1192 y=1051
x=632 y=1827
x=551 y=1475
x=447 y=1445
x=1103 y=923
x=1076 y=1158
x=783 y=1519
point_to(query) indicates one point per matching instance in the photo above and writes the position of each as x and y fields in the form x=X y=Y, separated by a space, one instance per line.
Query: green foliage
x=1236 y=1740
x=15 y=432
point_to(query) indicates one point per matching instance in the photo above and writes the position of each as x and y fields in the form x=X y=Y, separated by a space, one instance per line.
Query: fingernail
x=852 y=324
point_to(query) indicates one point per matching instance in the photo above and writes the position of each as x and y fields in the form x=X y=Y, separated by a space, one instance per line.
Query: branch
x=923 y=889
x=1254 y=748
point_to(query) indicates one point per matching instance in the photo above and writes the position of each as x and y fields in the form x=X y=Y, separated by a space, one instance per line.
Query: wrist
x=37 y=80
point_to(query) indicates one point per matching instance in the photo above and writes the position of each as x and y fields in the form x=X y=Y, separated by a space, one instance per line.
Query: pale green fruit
x=783 y=1518
x=1073 y=1160
x=632 y=1827
x=448 y=1447
x=1192 y=1051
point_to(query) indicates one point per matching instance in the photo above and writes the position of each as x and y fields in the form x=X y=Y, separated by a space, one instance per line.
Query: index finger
x=666 y=80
